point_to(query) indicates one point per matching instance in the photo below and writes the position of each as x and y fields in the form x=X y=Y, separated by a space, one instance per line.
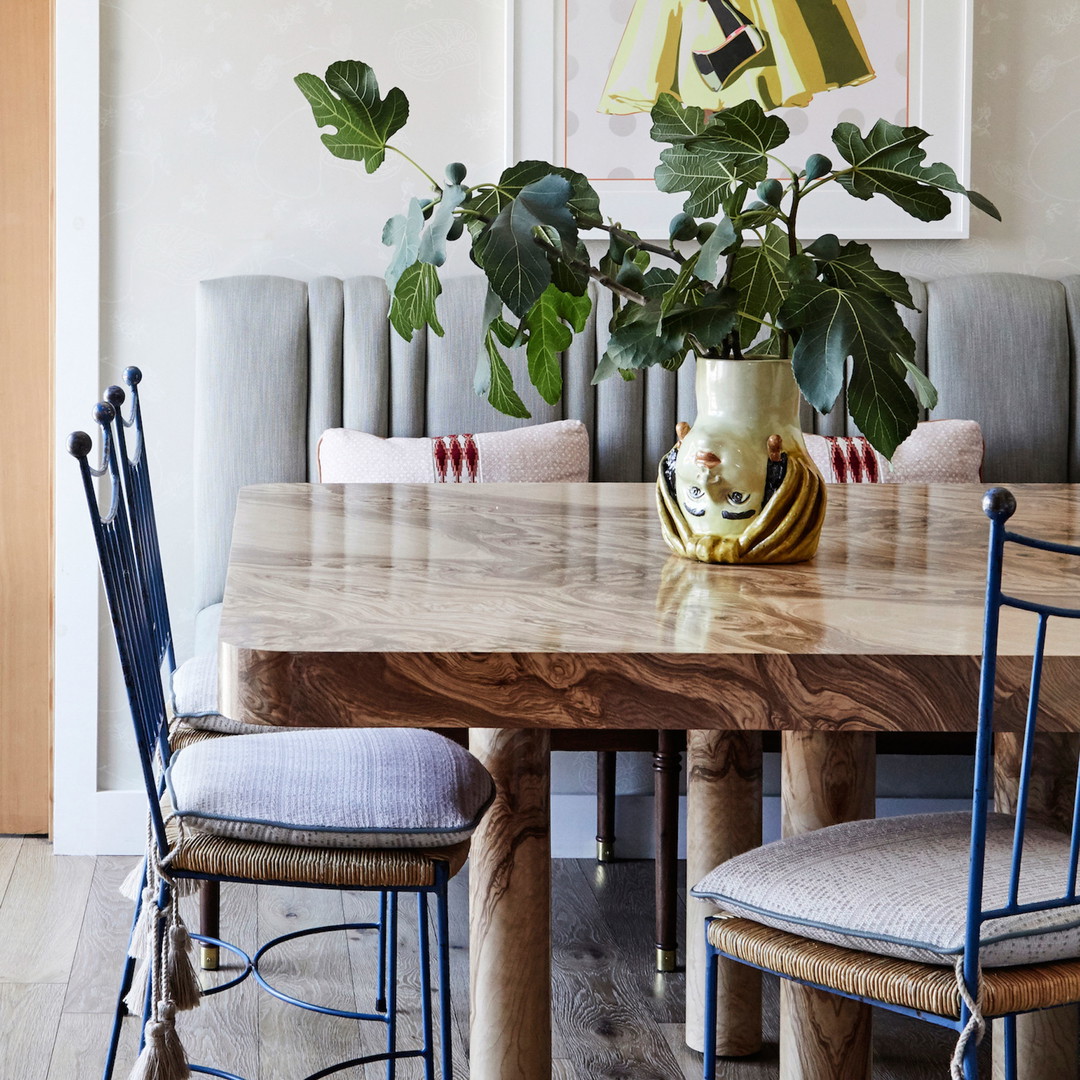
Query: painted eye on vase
x=737 y=498
x=695 y=493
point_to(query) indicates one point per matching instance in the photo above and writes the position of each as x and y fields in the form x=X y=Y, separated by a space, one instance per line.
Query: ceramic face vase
x=739 y=486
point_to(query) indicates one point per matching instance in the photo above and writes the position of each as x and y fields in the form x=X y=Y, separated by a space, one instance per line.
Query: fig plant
x=733 y=275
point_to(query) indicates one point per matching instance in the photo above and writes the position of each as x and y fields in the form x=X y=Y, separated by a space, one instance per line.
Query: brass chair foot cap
x=208 y=957
x=605 y=851
x=665 y=959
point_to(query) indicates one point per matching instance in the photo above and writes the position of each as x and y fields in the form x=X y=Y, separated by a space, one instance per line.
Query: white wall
x=211 y=165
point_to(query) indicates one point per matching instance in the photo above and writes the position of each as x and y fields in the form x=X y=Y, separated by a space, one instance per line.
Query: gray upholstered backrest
x=279 y=361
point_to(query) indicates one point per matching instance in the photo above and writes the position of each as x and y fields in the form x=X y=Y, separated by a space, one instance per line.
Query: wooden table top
x=558 y=605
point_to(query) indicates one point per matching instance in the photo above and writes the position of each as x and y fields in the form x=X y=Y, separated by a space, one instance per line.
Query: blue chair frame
x=139 y=639
x=998 y=505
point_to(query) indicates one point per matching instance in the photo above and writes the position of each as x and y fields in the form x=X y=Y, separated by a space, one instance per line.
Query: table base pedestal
x=510 y=911
x=723 y=771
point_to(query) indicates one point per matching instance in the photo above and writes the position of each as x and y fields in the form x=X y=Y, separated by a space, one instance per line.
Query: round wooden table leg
x=510 y=911
x=1045 y=1041
x=723 y=770
x=827 y=778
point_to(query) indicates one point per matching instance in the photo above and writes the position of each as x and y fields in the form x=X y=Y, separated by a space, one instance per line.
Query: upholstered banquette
x=279 y=361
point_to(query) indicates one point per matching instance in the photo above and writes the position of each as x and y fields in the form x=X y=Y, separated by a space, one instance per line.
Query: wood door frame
x=26 y=380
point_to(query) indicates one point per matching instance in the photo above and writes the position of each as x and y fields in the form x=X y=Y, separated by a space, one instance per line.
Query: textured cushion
x=552 y=453
x=195 y=698
x=936 y=452
x=335 y=787
x=898 y=887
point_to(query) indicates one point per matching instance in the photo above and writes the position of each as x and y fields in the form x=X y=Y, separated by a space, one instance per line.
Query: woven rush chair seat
x=199 y=853
x=927 y=988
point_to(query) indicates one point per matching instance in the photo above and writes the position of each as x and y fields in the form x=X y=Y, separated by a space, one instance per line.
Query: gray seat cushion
x=898 y=887
x=335 y=788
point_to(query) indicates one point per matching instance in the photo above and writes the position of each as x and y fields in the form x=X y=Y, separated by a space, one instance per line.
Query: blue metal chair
x=140 y=508
x=993 y=941
x=179 y=851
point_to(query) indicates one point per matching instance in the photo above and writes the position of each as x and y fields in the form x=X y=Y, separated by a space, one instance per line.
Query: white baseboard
x=121 y=823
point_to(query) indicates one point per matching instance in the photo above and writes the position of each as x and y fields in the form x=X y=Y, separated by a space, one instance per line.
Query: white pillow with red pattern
x=936 y=452
x=543 y=453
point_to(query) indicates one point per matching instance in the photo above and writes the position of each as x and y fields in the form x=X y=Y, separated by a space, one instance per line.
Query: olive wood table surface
x=520 y=608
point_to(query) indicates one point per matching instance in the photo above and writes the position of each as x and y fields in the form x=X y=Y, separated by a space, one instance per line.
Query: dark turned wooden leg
x=605 y=805
x=1046 y=1040
x=209 y=923
x=666 y=765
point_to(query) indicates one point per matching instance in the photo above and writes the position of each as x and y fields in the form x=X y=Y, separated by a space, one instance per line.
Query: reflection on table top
x=581 y=568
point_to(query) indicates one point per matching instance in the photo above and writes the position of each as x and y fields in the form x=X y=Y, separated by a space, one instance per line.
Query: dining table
x=516 y=610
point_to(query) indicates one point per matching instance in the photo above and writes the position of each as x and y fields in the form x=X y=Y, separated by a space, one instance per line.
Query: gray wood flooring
x=63 y=927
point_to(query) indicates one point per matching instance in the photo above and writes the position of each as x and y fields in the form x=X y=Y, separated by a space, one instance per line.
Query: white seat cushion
x=544 y=453
x=195 y=698
x=898 y=887
x=936 y=452
x=334 y=788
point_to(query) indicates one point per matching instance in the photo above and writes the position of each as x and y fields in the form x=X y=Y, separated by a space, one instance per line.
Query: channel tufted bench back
x=278 y=361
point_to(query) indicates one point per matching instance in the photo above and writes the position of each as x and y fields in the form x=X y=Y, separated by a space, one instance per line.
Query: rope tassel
x=182 y=984
x=162 y=1056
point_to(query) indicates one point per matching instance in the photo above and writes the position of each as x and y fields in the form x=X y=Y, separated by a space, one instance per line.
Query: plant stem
x=608 y=282
x=633 y=241
x=416 y=166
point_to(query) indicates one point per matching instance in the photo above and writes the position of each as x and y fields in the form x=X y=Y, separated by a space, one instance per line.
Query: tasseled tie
x=162 y=1056
x=182 y=984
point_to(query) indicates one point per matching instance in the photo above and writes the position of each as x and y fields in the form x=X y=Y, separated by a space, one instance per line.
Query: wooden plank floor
x=63 y=928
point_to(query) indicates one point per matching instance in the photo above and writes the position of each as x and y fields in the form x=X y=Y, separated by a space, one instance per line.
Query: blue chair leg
x=391 y=975
x=711 y=966
x=1010 y=1047
x=380 y=992
x=424 y=944
x=445 y=1039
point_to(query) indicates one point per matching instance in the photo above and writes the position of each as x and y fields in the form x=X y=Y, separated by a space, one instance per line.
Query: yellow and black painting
x=717 y=53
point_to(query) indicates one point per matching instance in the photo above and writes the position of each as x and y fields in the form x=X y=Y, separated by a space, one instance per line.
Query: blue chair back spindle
x=140 y=509
x=133 y=623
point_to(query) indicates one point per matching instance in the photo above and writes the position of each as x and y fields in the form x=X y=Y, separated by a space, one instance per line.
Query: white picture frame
x=938 y=100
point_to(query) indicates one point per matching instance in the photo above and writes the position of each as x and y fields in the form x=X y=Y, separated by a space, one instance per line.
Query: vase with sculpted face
x=739 y=485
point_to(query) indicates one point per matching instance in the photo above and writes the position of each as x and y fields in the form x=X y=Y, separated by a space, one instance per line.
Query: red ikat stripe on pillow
x=456 y=459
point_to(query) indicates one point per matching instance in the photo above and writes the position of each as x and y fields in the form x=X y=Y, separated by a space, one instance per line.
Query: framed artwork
x=583 y=75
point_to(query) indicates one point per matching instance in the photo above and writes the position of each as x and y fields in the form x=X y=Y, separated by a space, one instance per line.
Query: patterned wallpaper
x=211 y=166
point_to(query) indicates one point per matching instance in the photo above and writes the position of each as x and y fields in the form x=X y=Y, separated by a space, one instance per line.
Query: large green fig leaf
x=432 y=247
x=675 y=123
x=349 y=101
x=854 y=268
x=719 y=242
x=549 y=335
x=487 y=201
x=501 y=392
x=515 y=264
x=413 y=304
x=640 y=340
x=731 y=150
x=760 y=277
x=881 y=403
x=835 y=324
x=402 y=233
x=889 y=161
